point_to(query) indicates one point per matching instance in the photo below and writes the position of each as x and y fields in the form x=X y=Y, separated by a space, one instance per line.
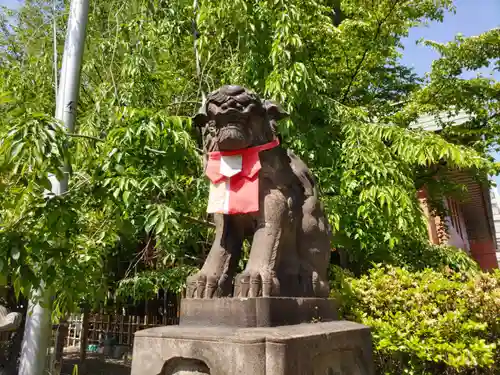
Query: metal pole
x=69 y=85
x=37 y=332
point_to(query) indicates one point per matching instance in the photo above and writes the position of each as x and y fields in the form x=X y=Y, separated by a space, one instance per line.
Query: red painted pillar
x=431 y=221
x=484 y=253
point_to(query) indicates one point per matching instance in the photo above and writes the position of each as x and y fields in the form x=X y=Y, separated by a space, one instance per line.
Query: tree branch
x=365 y=54
x=154 y=150
x=199 y=221
x=86 y=93
x=85 y=136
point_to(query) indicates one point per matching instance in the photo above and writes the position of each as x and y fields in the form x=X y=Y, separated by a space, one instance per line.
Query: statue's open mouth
x=232 y=137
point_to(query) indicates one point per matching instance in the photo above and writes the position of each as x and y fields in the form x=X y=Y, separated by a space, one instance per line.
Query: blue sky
x=10 y=3
x=472 y=17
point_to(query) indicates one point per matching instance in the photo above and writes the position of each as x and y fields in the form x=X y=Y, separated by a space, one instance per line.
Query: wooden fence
x=120 y=327
x=135 y=316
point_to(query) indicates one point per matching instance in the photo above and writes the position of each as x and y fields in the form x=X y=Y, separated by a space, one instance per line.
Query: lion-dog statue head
x=234 y=118
x=289 y=235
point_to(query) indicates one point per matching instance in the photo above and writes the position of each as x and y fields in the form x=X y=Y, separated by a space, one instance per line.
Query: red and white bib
x=234 y=179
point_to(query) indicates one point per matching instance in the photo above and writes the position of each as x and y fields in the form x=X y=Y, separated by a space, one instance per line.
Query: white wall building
x=495 y=206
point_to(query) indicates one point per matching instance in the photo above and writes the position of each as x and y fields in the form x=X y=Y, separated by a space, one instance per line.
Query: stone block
x=326 y=348
x=256 y=312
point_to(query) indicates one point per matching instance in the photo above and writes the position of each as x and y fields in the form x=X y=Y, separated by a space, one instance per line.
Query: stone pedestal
x=259 y=341
x=331 y=348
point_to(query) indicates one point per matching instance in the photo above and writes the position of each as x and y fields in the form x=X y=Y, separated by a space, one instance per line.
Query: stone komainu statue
x=9 y=321
x=261 y=192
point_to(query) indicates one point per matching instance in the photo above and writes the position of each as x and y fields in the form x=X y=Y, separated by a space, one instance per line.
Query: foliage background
x=133 y=220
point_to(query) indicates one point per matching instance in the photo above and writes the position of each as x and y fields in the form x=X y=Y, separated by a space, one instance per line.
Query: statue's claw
x=200 y=285
x=256 y=283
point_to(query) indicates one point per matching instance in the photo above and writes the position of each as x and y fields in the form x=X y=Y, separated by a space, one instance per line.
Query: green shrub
x=418 y=256
x=426 y=322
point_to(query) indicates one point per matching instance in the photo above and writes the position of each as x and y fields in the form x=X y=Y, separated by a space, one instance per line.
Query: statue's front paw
x=256 y=283
x=200 y=285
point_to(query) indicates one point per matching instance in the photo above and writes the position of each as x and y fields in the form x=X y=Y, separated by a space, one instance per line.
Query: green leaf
x=119 y=168
x=160 y=227
x=151 y=222
x=15 y=253
x=126 y=196
x=16 y=149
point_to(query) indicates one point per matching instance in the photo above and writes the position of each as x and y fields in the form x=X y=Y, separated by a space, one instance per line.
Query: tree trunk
x=339 y=15
x=61 y=337
x=84 y=336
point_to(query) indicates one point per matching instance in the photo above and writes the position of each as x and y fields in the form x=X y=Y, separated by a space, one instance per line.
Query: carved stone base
x=256 y=312
x=330 y=348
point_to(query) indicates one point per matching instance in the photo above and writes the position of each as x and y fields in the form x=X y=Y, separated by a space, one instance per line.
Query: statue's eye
x=211 y=126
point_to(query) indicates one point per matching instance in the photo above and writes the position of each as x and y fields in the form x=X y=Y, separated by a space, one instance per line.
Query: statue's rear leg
x=314 y=248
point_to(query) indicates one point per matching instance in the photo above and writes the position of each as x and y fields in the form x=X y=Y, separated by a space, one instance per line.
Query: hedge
x=427 y=322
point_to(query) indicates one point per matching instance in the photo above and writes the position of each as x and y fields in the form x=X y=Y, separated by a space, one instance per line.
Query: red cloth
x=235 y=190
